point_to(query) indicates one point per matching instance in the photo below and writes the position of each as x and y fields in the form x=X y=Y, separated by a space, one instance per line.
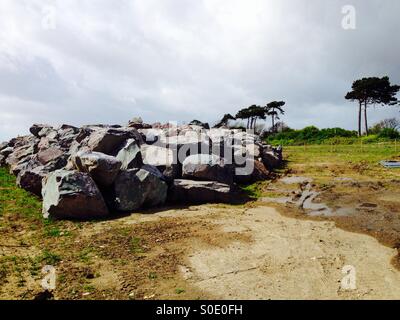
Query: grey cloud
x=108 y=61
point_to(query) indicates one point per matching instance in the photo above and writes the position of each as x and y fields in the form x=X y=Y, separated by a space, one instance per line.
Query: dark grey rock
x=72 y=195
x=199 y=192
x=207 y=167
x=31 y=179
x=101 y=167
x=130 y=155
x=135 y=188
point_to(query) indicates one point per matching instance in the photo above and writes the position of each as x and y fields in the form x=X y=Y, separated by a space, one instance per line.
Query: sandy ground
x=254 y=251
x=291 y=259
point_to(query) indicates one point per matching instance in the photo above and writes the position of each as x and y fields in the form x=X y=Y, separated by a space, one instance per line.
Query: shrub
x=389 y=133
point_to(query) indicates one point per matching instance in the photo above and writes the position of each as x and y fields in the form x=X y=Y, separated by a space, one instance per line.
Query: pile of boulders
x=96 y=170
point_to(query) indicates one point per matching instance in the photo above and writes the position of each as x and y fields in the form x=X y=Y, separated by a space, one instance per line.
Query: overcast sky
x=105 y=61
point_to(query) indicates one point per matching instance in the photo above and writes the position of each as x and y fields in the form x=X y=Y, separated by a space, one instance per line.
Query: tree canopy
x=372 y=90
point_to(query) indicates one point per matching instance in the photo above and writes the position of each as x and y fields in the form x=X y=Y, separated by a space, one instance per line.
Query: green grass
x=49 y=258
x=324 y=162
x=313 y=135
x=14 y=200
x=85 y=255
x=369 y=153
x=136 y=245
x=179 y=290
x=254 y=191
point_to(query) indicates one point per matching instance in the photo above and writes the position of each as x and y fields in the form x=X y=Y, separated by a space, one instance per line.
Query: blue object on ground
x=391 y=164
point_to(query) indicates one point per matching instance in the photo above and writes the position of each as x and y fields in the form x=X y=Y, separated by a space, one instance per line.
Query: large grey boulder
x=157 y=156
x=26 y=163
x=3 y=145
x=207 y=167
x=151 y=135
x=130 y=155
x=72 y=195
x=67 y=135
x=252 y=171
x=162 y=158
x=110 y=140
x=20 y=153
x=251 y=150
x=135 y=188
x=6 y=151
x=50 y=154
x=48 y=132
x=31 y=179
x=35 y=129
x=199 y=192
x=101 y=167
x=271 y=158
x=187 y=144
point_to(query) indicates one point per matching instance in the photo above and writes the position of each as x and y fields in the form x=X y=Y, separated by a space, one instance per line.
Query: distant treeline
x=313 y=135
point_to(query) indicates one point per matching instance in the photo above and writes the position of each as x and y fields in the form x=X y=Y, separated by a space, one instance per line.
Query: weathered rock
x=163 y=159
x=83 y=134
x=157 y=189
x=135 y=188
x=251 y=150
x=207 y=167
x=6 y=152
x=130 y=155
x=72 y=195
x=36 y=128
x=2 y=160
x=24 y=141
x=101 y=167
x=66 y=135
x=48 y=132
x=68 y=127
x=51 y=154
x=151 y=135
x=253 y=171
x=137 y=123
x=31 y=180
x=3 y=145
x=198 y=192
x=109 y=140
x=191 y=143
x=271 y=159
x=21 y=154
x=157 y=156
x=27 y=163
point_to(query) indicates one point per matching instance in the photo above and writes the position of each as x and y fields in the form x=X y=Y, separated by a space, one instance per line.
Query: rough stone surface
x=72 y=195
x=198 y=192
x=258 y=172
x=271 y=159
x=50 y=154
x=207 y=167
x=6 y=152
x=3 y=145
x=109 y=140
x=157 y=156
x=135 y=188
x=101 y=167
x=31 y=180
x=36 y=128
x=130 y=155
x=133 y=165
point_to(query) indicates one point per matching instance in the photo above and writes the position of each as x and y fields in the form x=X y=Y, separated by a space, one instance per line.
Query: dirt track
x=258 y=253
x=214 y=251
x=291 y=259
